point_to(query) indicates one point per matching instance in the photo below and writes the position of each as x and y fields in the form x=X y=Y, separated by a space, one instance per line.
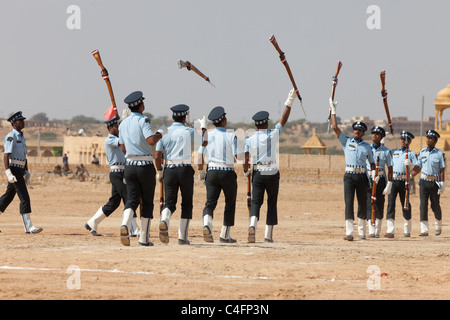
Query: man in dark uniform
x=262 y=148
x=16 y=169
x=383 y=182
x=136 y=139
x=355 y=179
x=432 y=182
x=177 y=173
x=222 y=150
x=116 y=161
x=399 y=187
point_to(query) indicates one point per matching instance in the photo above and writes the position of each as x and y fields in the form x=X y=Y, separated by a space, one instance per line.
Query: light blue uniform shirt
x=398 y=158
x=263 y=146
x=356 y=152
x=222 y=146
x=113 y=151
x=431 y=161
x=16 y=145
x=133 y=132
x=385 y=158
x=177 y=143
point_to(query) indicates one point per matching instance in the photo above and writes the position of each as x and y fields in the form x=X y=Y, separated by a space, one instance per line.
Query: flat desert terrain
x=309 y=259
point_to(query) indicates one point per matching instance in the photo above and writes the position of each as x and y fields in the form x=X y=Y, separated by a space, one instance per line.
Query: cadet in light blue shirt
x=222 y=149
x=15 y=144
x=400 y=185
x=16 y=167
x=133 y=134
x=136 y=139
x=355 y=179
x=116 y=161
x=177 y=173
x=177 y=143
x=432 y=182
x=262 y=148
x=383 y=158
x=114 y=153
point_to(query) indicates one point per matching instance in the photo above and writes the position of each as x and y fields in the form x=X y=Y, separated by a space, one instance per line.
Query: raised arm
x=334 y=125
x=287 y=111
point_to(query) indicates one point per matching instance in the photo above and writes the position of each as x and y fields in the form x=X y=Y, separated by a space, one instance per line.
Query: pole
x=421 y=122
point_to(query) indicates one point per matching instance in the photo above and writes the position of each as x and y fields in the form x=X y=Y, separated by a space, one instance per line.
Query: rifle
x=384 y=95
x=161 y=195
x=105 y=76
x=333 y=88
x=288 y=69
x=186 y=64
x=373 y=199
x=249 y=194
x=407 y=185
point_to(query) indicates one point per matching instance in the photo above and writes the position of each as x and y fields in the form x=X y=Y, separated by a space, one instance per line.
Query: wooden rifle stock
x=407 y=182
x=384 y=95
x=105 y=76
x=288 y=69
x=333 y=89
x=373 y=199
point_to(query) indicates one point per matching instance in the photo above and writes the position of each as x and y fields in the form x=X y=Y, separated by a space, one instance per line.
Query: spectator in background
x=95 y=160
x=65 y=161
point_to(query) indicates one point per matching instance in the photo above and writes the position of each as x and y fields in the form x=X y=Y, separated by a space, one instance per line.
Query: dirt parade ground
x=309 y=259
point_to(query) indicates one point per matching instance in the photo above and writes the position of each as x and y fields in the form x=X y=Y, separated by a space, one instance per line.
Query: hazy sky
x=46 y=67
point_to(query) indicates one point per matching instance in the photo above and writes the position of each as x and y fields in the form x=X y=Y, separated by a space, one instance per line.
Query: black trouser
x=398 y=188
x=379 y=204
x=429 y=190
x=355 y=183
x=261 y=183
x=19 y=187
x=216 y=181
x=118 y=193
x=179 y=178
x=140 y=185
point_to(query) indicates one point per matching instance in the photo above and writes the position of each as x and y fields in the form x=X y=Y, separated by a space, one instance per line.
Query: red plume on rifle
x=186 y=64
x=111 y=112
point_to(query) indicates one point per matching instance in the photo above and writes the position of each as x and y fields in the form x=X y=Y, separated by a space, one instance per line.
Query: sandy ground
x=308 y=260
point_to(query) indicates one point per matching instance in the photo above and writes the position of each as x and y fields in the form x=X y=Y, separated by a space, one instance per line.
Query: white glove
x=125 y=113
x=202 y=122
x=388 y=188
x=291 y=97
x=372 y=175
x=11 y=177
x=247 y=173
x=161 y=131
x=441 y=187
x=333 y=105
x=27 y=177
x=408 y=164
x=201 y=175
x=159 y=174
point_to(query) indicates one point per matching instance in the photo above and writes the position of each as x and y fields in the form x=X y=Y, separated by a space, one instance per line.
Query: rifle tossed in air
x=186 y=64
x=288 y=69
